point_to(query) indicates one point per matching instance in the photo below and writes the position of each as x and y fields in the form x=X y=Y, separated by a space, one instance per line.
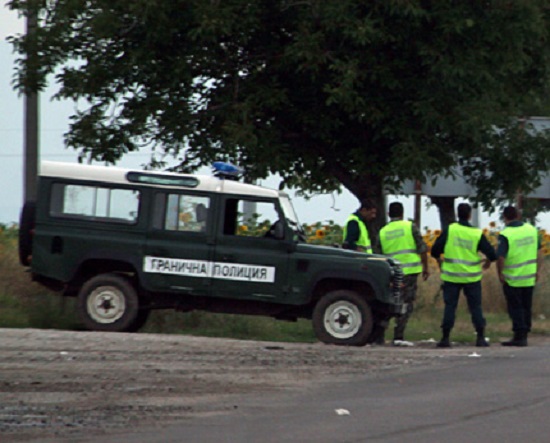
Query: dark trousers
x=451 y=293
x=520 y=302
x=409 y=296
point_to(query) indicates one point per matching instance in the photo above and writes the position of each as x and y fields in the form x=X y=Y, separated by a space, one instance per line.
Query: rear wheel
x=342 y=317
x=109 y=302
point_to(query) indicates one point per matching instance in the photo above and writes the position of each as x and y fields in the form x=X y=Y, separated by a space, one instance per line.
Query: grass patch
x=231 y=326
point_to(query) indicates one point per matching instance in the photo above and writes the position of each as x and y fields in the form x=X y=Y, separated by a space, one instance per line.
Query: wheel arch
x=357 y=282
x=95 y=266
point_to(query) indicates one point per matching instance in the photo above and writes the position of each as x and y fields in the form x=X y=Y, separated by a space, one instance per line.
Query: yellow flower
x=243 y=228
x=185 y=217
x=320 y=233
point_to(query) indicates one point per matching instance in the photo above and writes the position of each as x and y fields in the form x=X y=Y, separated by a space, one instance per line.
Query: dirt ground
x=64 y=384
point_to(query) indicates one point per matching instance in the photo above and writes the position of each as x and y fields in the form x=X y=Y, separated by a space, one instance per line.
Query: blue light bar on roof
x=227 y=170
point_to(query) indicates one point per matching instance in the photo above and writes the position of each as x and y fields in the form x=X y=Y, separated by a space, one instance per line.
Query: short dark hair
x=395 y=210
x=464 y=211
x=510 y=213
x=367 y=204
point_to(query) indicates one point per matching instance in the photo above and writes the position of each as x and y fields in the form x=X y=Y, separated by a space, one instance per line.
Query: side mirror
x=277 y=231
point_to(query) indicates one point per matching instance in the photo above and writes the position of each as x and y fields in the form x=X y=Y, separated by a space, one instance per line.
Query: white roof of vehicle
x=113 y=174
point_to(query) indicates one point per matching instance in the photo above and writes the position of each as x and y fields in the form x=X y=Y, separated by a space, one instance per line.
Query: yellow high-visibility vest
x=397 y=241
x=461 y=263
x=520 y=264
x=364 y=239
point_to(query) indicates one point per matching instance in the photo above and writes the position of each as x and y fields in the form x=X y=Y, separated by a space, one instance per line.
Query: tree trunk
x=446 y=207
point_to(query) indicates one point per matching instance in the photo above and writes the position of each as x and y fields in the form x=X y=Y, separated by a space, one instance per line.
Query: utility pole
x=31 y=138
x=417 y=203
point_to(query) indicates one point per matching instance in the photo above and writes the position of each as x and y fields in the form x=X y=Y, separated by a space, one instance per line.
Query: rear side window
x=98 y=203
x=185 y=213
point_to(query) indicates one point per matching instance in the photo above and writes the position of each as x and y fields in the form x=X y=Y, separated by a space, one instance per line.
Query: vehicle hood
x=305 y=248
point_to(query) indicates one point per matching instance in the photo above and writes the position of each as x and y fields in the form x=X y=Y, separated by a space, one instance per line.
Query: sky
x=54 y=122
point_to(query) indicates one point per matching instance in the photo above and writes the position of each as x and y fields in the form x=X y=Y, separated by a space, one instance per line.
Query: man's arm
x=439 y=246
x=425 y=269
x=500 y=268
x=487 y=249
x=422 y=249
x=502 y=252
x=352 y=235
x=540 y=258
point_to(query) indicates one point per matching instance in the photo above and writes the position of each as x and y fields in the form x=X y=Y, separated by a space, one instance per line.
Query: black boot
x=445 y=342
x=520 y=339
x=480 y=340
x=377 y=335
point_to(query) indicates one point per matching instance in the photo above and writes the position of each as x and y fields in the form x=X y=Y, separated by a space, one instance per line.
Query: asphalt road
x=494 y=398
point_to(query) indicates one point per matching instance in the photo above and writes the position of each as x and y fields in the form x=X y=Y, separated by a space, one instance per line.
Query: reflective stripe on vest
x=397 y=241
x=461 y=263
x=364 y=239
x=520 y=264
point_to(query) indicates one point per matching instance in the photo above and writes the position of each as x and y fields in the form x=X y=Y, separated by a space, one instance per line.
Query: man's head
x=395 y=210
x=367 y=209
x=510 y=214
x=464 y=211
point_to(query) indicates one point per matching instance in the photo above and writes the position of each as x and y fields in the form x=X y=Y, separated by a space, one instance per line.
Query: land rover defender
x=125 y=242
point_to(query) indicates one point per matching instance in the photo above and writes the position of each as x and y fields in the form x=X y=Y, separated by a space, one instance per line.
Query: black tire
x=26 y=227
x=142 y=317
x=108 y=302
x=342 y=317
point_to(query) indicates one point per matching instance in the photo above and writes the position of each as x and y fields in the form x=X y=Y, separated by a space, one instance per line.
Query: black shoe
x=376 y=336
x=519 y=340
x=482 y=343
x=444 y=343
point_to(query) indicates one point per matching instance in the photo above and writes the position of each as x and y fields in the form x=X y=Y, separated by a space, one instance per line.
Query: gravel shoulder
x=65 y=384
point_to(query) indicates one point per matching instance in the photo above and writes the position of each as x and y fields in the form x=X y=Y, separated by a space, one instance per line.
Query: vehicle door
x=179 y=245
x=251 y=255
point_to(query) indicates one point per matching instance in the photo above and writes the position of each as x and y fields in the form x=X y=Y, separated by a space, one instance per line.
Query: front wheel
x=108 y=302
x=342 y=317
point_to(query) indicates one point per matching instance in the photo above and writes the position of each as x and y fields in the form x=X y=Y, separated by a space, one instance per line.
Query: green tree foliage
x=323 y=92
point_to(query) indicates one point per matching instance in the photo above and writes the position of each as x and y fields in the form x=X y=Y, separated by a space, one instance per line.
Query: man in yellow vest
x=461 y=269
x=356 y=235
x=519 y=267
x=402 y=240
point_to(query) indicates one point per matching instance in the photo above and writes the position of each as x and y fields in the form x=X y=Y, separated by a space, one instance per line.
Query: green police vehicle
x=125 y=242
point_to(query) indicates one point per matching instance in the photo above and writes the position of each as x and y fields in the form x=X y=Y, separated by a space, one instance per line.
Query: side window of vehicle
x=94 y=203
x=187 y=213
x=249 y=218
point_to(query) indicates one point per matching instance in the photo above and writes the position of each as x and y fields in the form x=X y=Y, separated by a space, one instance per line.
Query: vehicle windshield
x=290 y=214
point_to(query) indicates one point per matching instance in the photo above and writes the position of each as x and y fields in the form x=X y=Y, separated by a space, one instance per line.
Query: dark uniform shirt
x=502 y=248
x=484 y=246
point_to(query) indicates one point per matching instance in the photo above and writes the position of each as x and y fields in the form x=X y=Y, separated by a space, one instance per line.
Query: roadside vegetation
x=24 y=304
